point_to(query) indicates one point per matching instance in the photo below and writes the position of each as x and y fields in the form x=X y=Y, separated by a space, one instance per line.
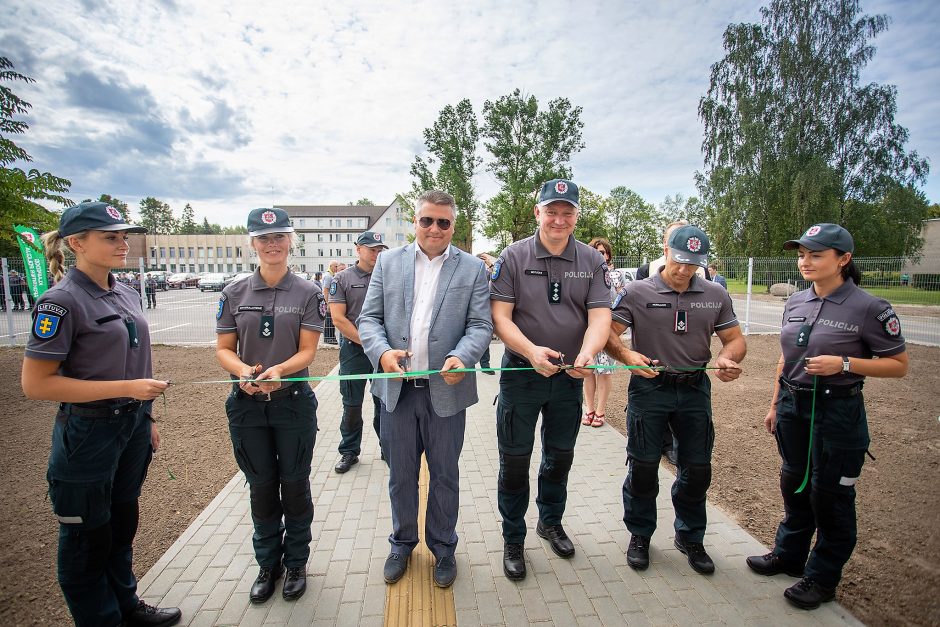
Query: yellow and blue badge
x=333 y=288
x=48 y=320
x=218 y=312
x=496 y=268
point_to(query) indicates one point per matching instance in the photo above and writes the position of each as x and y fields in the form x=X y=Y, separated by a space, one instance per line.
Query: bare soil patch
x=894 y=575
x=194 y=462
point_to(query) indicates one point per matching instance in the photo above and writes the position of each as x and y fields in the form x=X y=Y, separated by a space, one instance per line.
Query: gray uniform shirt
x=849 y=322
x=350 y=286
x=91 y=330
x=327 y=281
x=268 y=319
x=650 y=308
x=551 y=294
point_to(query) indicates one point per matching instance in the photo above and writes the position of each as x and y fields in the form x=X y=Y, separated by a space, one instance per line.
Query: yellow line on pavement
x=414 y=600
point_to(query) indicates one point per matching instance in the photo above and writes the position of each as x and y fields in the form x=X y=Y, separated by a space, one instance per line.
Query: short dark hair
x=436 y=197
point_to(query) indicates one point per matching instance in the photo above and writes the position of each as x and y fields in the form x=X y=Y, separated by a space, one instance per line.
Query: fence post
x=8 y=299
x=747 y=308
x=143 y=283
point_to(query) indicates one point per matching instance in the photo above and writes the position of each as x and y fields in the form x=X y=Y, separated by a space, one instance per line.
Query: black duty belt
x=823 y=391
x=679 y=378
x=99 y=411
x=264 y=397
x=417 y=382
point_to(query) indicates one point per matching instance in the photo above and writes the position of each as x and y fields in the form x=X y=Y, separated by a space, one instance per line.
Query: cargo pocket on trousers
x=841 y=468
x=76 y=432
x=80 y=504
x=504 y=425
x=242 y=459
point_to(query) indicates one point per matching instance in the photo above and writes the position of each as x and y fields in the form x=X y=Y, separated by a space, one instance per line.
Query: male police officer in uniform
x=673 y=314
x=550 y=296
x=347 y=293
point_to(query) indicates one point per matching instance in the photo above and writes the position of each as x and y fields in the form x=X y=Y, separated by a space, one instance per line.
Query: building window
x=228 y=252
x=303 y=253
x=349 y=237
x=319 y=252
x=399 y=237
x=349 y=252
x=238 y=251
x=320 y=223
x=153 y=252
x=388 y=222
x=320 y=237
x=172 y=253
x=218 y=251
x=321 y=268
x=238 y=266
x=202 y=267
x=210 y=251
x=191 y=255
x=349 y=223
x=301 y=221
x=162 y=252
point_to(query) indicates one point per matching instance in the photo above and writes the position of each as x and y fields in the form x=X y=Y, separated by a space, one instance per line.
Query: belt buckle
x=262 y=397
x=420 y=383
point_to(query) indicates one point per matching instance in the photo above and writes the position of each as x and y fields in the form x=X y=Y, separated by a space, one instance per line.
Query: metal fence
x=187 y=315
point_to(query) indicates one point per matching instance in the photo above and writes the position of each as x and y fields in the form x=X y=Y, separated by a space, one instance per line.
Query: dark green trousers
x=522 y=397
x=353 y=360
x=686 y=407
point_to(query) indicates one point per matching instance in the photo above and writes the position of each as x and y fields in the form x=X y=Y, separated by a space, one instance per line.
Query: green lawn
x=896 y=295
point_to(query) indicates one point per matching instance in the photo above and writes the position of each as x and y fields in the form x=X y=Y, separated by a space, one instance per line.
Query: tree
x=362 y=202
x=234 y=230
x=118 y=204
x=209 y=229
x=19 y=189
x=187 y=223
x=592 y=221
x=157 y=217
x=452 y=144
x=791 y=136
x=635 y=225
x=528 y=147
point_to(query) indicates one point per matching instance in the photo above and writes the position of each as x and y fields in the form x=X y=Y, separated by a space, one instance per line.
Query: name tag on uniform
x=250 y=308
x=536 y=272
x=659 y=305
x=360 y=285
x=797 y=319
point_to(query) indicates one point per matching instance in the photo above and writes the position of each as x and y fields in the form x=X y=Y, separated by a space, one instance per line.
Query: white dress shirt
x=427 y=277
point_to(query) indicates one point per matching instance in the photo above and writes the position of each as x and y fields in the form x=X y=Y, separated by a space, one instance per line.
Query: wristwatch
x=845 y=364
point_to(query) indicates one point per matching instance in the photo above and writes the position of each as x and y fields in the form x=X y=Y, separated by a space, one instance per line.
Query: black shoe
x=772 y=564
x=445 y=571
x=263 y=587
x=671 y=456
x=514 y=561
x=347 y=461
x=149 y=616
x=557 y=538
x=487 y=371
x=638 y=553
x=395 y=566
x=295 y=584
x=808 y=595
x=698 y=558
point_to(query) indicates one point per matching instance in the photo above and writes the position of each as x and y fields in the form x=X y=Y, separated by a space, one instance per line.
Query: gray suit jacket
x=461 y=324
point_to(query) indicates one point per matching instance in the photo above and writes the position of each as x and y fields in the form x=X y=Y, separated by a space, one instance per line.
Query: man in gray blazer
x=427 y=308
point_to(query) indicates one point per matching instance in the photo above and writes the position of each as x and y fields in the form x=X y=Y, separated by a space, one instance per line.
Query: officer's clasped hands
x=274 y=372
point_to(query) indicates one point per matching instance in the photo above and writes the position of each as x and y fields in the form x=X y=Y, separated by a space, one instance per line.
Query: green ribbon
x=809 y=453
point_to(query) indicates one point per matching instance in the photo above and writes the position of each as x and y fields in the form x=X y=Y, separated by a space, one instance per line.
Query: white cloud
x=243 y=104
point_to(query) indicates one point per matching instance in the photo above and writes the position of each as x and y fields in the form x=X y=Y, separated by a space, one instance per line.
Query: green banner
x=34 y=261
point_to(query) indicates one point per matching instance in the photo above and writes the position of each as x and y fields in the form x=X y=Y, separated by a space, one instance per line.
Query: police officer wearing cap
x=673 y=315
x=834 y=334
x=90 y=350
x=268 y=327
x=550 y=296
x=346 y=294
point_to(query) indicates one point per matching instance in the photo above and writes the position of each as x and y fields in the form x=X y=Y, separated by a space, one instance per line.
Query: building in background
x=326 y=232
x=198 y=253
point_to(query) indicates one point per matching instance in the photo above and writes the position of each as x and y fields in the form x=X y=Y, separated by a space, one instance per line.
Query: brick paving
x=209 y=569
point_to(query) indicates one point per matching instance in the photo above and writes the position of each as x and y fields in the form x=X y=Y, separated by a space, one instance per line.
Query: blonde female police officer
x=835 y=334
x=268 y=327
x=90 y=350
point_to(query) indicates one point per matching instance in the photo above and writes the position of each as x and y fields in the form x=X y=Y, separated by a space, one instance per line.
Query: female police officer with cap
x=268 y=327
x=834 y=335
x=90 y=350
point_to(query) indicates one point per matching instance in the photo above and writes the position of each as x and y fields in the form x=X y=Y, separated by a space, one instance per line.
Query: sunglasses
x=442 y=223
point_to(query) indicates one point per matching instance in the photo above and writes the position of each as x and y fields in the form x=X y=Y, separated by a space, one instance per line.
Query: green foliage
x=234 y=230
x=528 y=147
x=362 y=202
x=933 y=211
x=592 y=221
x=635 y=225
x=157 y=217
x=452 y=144
x=19 y=188
x=187 y=223
x=793 y=138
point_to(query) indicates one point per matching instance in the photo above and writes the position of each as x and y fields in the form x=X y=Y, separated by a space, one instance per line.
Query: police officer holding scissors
x=268 y=326
x=673 y=315
x=834 y=335
x=347 y=293
x=550 y=297
x=90 y=350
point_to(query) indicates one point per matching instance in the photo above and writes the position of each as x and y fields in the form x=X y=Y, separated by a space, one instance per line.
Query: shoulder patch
x=892 y=326
x=617 y=300
x=321 y=304
x=218 y=312
x=606 y=276
x=333 y=287
x=496 y=268
x=48 y=320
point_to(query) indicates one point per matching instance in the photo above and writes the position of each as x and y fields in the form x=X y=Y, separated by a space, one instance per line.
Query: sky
x=242 y=104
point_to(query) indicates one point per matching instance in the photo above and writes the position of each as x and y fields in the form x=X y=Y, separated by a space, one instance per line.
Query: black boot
x=514 y=561
x=296 y=583
x=263 y=587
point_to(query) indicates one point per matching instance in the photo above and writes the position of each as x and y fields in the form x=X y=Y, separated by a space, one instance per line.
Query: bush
x=928 y=282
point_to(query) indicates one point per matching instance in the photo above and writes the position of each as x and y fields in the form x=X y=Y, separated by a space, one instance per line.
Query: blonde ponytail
x=55 y=246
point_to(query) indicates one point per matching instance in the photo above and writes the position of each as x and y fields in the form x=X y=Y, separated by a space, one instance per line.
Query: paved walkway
x=209 y=569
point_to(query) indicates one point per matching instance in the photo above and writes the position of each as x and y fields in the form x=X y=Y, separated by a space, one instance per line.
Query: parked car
x=214 y=282
x=240 y=276
x=160 y=276
x=181 y=280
